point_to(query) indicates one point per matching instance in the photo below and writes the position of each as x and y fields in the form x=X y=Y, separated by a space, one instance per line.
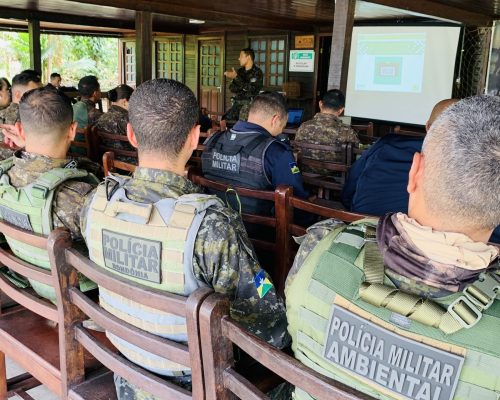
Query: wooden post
x=341 y=44
x=143 y=46
x=35 y=49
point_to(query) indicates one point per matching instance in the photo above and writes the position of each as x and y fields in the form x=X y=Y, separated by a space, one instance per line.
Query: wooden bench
x=28 y=333
x=264 y=248
x=74 y=337
x=365 y=133
x=111 y=165
x=219 y=333
x=100 y=142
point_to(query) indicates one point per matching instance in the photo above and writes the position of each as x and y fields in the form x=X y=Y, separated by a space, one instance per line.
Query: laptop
x=295 y=116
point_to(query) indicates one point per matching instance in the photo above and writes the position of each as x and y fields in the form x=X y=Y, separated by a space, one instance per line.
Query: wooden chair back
x=111 y=165
x=408 y=132
x=319 y=211
x=100 y=142
x=28 y=335
x=276 y=248
x=324 y=182
x=81 y=146
x=219 y=333
x=77 y=306
x=365 y=132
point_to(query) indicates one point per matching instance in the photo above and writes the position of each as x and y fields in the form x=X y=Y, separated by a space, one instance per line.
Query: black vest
x=237 y=158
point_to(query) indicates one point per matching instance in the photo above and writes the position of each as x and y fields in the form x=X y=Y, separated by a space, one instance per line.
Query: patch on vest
x=408 y=368
x=16 y=218
x=133 y=256
x=226 y=162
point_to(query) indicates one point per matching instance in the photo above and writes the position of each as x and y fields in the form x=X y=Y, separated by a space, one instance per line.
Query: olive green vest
x=352 y=324
x=151 y=244
x=30 y=208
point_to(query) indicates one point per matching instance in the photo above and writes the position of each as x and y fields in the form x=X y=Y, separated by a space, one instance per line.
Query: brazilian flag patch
x=294 y=168
x=262 y=284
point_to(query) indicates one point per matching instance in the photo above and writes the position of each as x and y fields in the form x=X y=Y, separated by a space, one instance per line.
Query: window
x=210 y=60
x=169 y=59
x=270 y=56
x=129 y=62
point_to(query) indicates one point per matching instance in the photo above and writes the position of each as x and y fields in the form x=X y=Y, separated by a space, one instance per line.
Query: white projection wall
x=399 y=73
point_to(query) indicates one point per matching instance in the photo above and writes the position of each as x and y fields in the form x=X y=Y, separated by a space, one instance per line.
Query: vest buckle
x=39 y=191
x=465 y=312
x=483 y=292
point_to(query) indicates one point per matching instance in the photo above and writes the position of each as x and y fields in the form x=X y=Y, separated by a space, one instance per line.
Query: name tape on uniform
x=130 y=255
x=408 y=368
x=16 y=218
x=226 y=162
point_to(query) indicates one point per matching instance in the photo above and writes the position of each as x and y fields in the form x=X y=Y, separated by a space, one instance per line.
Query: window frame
x=268 y=62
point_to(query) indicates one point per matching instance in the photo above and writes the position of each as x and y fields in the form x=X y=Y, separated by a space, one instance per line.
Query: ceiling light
x=196 y=21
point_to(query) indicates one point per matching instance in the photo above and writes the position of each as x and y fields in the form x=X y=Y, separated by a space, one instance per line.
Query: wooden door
x=211 y=71
x=325 y=46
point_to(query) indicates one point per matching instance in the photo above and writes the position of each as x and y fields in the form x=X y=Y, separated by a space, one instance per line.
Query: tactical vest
x=151 y=244
x=30 y=208
x=237 y=158
x=352 y=324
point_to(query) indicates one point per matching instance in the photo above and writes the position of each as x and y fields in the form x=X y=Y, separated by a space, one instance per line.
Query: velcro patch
x=16 y=218
x=406 y=367
x=133 y=256
x=226 y=162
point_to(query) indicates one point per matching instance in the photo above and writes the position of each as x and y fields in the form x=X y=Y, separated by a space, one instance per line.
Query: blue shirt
x=279 y=164
x=377 y=182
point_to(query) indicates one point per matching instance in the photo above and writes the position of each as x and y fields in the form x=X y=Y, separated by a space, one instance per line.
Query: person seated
x=85 y=111
x=376 y=183
x=327 y=129
x=21 y=83
x=116 y=119
x=163 y=127
x=205 y=120
x=4 y=93
x=406 y=306
x=45 y=129
x=249 y=155
x=55 y=80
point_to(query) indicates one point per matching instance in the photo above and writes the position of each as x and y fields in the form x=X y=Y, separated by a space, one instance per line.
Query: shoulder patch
x=294 y=168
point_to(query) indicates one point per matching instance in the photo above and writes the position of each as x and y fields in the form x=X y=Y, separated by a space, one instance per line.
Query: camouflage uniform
x=9 y=116
x=325 y=129
x=93 y=114
x=69 y=197
x=115 y=122
x=223 y=258
x=245 y=86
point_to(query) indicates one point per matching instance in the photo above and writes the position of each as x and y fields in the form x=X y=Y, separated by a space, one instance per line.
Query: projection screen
x=398 y=73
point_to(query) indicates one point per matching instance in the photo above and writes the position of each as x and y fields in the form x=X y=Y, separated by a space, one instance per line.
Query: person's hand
x=11 y=137
x=230 y=74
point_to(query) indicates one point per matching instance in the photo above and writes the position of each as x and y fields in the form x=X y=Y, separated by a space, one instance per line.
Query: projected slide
x=390 y=62
x=398 y=73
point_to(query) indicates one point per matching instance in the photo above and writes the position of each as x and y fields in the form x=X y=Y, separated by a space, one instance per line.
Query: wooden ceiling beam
x=440 y=10
x=206 y=14
x=64 y=18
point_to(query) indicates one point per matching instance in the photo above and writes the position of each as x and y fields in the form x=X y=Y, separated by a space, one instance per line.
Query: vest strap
x=51 y=179
x=464 y=312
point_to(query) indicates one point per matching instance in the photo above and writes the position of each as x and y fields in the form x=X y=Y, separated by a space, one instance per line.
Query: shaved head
x=438 y=109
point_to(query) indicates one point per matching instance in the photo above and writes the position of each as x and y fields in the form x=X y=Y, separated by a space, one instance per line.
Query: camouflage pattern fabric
x=245 y=86
x=115 y=122
x=223 y=257
x=9 y=116
x=69 y=197
x=93 y=114
x=5 y=152
x=325 y=129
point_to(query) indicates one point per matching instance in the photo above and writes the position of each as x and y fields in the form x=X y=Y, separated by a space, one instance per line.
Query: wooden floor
x=38 y=393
